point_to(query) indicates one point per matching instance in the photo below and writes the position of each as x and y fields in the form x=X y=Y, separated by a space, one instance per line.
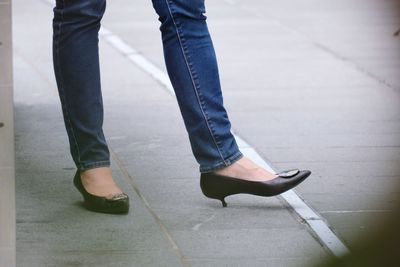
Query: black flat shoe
x=219 y=186
x=118 y=204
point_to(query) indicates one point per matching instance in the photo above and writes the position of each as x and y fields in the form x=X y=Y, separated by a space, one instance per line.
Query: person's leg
x=192 y=68
x=76 y=65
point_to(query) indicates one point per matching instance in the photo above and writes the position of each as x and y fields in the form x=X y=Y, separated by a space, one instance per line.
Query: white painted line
x=317 y=224
x=312 y=218
x=153 y=71
x=329 y=238
x=142 y=62
x=103 y=31
x=118 y=43
x=302 y=209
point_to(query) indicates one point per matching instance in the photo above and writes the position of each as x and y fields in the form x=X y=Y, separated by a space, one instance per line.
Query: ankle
x=96 y=173
x=247 y=170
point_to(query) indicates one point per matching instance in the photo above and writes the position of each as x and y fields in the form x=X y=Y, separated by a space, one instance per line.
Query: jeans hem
x=93 y=165
x=225 y=163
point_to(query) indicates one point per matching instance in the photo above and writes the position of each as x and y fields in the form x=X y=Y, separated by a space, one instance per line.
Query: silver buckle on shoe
x=289 y=173
x=117 y=197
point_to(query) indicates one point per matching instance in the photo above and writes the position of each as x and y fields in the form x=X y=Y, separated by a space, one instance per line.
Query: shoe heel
x=212 y=189
x=224 y=203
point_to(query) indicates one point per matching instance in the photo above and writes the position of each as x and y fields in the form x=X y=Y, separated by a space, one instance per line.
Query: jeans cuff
x=92 y=165
x=225 y=163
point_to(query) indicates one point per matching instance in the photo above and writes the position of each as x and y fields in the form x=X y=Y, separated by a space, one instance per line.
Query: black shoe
x=117 y=204
x=219 y=186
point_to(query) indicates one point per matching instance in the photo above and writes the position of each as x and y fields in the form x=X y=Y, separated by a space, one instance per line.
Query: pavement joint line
x=315 y=43
x=355 y=65
x=314 y=220
x=32 y=65
x=163 y=228
x=356 y=211
x=305 y=212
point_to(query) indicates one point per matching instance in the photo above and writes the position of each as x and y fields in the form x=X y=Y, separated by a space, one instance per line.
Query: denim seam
x=201 y=99
x=202 y=103
x=191 y=72
x=62 y=85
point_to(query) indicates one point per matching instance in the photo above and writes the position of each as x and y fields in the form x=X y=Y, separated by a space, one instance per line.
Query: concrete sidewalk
x=323 y=73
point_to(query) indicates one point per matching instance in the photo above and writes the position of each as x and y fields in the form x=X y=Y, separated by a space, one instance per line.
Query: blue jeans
x=192 y=68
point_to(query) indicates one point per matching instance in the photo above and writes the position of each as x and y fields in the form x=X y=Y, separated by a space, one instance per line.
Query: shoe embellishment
x=117 y=197
x=289 y=173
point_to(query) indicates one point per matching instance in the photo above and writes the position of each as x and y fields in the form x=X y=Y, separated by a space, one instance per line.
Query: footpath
x=308 y=85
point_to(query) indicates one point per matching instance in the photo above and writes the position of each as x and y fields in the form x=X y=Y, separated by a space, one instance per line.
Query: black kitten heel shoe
x=219 y=186
x=118 y=204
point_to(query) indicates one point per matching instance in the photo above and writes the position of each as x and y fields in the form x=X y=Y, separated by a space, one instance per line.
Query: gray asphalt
x=310 y=84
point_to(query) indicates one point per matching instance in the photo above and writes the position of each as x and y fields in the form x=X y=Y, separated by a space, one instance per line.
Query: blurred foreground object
x=380 y=249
